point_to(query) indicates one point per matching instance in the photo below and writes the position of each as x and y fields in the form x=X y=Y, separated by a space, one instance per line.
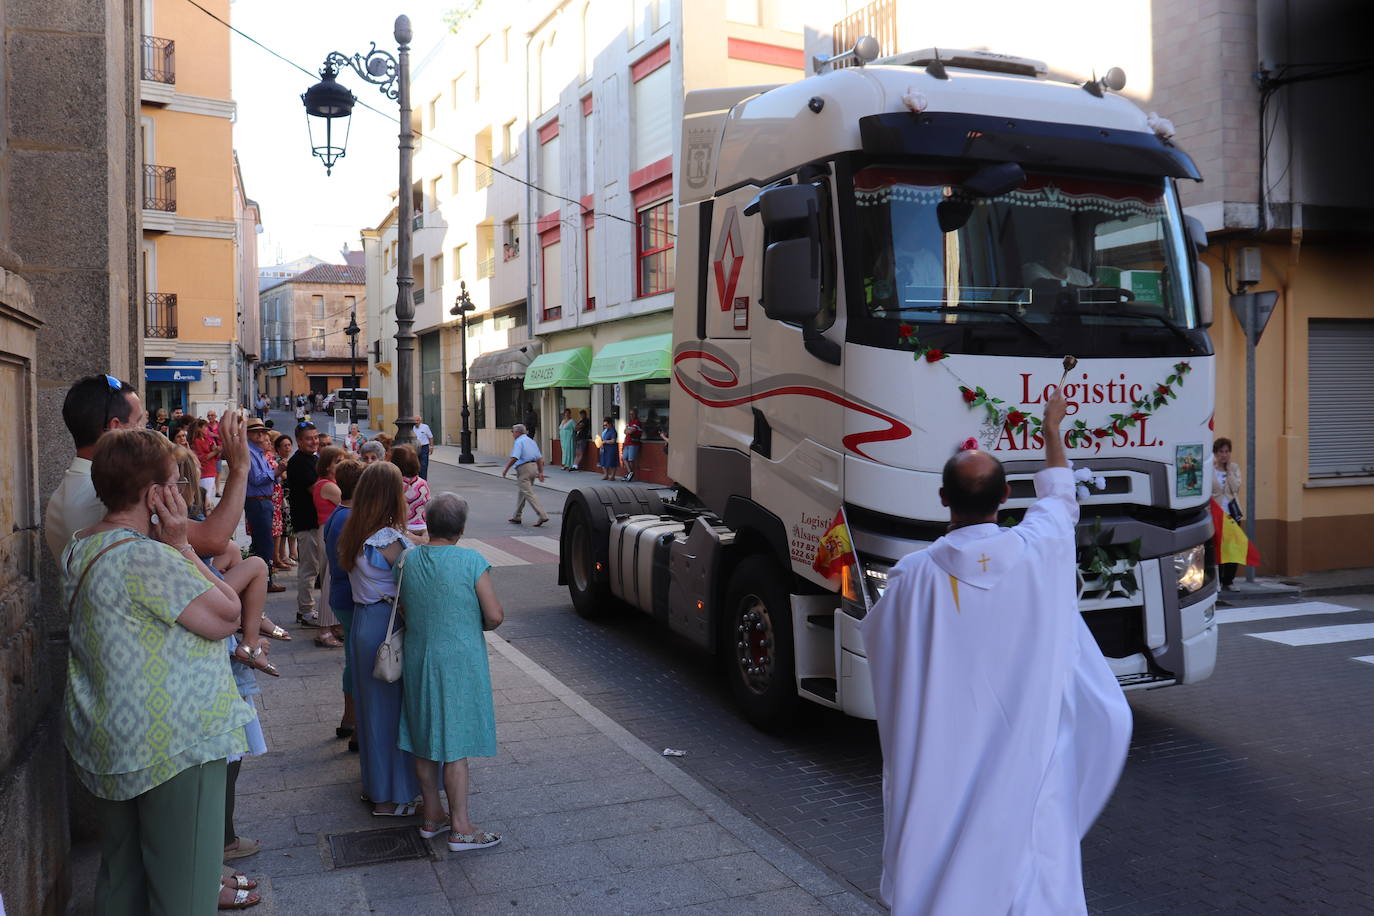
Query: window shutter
x=1340 y=398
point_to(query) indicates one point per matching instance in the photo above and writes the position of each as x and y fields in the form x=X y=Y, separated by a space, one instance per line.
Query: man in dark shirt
x=300 y=478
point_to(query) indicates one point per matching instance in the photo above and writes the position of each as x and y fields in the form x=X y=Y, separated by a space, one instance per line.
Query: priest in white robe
x=1003 y=730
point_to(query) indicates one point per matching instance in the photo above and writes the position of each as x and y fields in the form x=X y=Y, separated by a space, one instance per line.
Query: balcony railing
x=159 y=59
x=878 y=19
x=160 y=188
x=160 y=315
x=483 y=176
x=486 y=268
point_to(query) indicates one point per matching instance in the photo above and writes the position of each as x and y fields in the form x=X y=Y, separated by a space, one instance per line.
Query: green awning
x=561 y=369
x=633 y=360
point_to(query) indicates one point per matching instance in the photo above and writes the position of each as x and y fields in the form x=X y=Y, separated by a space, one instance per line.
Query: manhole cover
x=372 y=847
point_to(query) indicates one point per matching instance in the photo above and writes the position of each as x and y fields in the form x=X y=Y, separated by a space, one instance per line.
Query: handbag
x=1233 y=509
x=388 y=665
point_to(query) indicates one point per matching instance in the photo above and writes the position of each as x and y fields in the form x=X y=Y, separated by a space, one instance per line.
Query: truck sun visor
x=1031 y=143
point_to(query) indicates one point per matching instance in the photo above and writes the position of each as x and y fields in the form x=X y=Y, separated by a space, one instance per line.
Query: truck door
x=797 y=410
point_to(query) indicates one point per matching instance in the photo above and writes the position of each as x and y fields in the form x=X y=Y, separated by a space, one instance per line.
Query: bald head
x=973 y=486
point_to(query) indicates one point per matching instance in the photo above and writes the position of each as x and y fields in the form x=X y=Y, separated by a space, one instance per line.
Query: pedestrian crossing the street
x=515 y=551
x=1324 y=634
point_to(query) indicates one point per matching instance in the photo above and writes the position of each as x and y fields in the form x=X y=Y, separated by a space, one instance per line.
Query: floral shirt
x=146 y=697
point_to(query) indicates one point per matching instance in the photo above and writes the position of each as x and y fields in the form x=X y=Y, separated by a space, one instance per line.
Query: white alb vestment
x=1003 y=730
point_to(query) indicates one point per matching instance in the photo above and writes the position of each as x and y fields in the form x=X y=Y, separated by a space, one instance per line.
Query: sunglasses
x=113 y=386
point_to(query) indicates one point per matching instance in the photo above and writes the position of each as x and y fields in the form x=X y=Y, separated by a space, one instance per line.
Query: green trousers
x=161 y=852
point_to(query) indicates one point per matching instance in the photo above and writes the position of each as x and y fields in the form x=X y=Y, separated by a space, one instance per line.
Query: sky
x=303 y=211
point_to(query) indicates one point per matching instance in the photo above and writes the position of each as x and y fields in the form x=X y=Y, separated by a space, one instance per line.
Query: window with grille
x=654 y=249
x=1340 y=398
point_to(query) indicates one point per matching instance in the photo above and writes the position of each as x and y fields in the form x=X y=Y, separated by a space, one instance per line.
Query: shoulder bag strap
x=82 y=580
x=396 y=602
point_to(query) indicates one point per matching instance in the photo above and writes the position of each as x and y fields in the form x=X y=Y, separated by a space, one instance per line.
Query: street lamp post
x=352 y=331
x=328 y=102
x=461 y=307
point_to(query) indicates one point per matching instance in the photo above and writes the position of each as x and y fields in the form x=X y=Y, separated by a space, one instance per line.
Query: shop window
x=654 y=249
x=650 y=400
x=509 y=410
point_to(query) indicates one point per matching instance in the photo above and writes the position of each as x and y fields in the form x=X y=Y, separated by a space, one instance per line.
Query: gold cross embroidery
x=984 y=560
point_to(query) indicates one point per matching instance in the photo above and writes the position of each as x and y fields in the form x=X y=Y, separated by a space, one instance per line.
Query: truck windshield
x=1078 y=264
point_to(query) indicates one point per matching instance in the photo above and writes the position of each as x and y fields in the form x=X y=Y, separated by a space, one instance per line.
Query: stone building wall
x=68 y=250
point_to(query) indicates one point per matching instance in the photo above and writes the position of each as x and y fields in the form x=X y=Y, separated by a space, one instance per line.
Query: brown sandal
x=246 y=655
x=328 y=640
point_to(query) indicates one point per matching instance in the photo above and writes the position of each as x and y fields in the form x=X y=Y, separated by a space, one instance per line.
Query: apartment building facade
x=188 y=261
x=567 y=245
x=1258 y=91
x=248 y=339
x=305 y=347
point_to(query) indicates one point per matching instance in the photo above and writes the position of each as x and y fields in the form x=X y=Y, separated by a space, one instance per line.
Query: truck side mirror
x=1202 y=289
x=792 y=256
x=1196 y=233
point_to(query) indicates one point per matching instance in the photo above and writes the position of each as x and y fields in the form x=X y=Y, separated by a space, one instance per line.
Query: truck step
x=821 y=620
x=824 y=687
x=1145 y=681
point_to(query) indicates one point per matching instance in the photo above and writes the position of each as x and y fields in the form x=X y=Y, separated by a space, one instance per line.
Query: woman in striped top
x=416 y=489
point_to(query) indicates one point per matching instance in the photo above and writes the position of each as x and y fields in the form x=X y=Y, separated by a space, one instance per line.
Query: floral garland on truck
x=999 y=415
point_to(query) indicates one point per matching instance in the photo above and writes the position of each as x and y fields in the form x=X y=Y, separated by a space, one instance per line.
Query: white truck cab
x=877 y=265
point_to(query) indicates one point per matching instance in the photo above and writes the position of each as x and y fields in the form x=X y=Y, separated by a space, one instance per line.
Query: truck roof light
x=935 y=60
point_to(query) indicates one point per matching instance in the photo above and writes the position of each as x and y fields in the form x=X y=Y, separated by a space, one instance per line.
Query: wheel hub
x=754 y=644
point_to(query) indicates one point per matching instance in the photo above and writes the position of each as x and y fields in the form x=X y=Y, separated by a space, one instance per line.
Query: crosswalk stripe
x=542 y=541
x=1316 y=636
x=495 y=555
x=1279 y=611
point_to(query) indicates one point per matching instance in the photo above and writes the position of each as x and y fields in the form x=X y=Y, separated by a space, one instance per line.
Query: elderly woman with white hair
x=372 y=451
x=447 y=714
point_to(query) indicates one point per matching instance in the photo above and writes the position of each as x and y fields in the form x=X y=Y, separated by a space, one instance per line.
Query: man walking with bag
x=528 y=462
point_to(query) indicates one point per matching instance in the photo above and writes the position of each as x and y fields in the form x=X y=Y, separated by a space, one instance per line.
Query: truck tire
x=756 y=644
x=584 y=543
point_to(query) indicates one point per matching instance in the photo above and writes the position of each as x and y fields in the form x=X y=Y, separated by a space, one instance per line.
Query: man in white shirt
x=1056 y=265
x=1002 y=727
x=528 y=462
x=424 y=438
x=93 y=405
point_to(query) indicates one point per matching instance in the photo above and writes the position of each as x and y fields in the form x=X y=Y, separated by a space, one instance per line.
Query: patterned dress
x=146 y=697
x=280 y=520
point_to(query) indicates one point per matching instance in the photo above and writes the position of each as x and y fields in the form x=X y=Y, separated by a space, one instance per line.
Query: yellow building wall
x=202 y=44
x=1300 y=527
x=200 y=148
x=201 y=273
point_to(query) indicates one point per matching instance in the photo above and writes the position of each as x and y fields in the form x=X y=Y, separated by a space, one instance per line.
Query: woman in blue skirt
x=370 y=545
x=610 y=452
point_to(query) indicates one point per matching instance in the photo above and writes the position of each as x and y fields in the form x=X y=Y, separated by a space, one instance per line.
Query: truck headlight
x=1190 y=569
x=863 y=584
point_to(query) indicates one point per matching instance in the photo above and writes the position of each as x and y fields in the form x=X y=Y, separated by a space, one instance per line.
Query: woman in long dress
x=447 y=712
x=565 y=439
x=370 y=544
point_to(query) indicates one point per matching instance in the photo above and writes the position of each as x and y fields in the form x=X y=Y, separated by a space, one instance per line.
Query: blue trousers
x=424 y=462
x=258 y=514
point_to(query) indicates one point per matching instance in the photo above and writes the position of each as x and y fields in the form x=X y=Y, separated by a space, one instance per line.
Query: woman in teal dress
x=447 y=716
x=565 y=440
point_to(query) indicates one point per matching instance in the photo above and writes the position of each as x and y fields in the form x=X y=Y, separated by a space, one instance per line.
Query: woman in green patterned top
x=152 y=709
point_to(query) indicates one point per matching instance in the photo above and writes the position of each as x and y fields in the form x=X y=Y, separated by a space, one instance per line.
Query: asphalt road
x=1248 y=793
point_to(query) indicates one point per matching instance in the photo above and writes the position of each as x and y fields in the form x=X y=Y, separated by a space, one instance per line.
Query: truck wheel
x=591 y=597
x=756 y=644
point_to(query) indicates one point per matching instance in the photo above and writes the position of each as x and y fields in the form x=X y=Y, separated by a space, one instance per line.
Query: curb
x=805 y=874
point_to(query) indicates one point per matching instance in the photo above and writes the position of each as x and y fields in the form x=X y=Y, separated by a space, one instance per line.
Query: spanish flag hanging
x=836 y=549
x=1232 y=546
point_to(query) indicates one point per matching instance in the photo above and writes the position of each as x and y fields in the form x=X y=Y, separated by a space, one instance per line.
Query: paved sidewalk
x=593 y=821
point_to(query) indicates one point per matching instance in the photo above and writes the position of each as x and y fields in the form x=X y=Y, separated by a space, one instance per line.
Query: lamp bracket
x=376 y=66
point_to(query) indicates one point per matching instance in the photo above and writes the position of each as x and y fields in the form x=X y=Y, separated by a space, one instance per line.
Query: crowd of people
x=169 y=630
